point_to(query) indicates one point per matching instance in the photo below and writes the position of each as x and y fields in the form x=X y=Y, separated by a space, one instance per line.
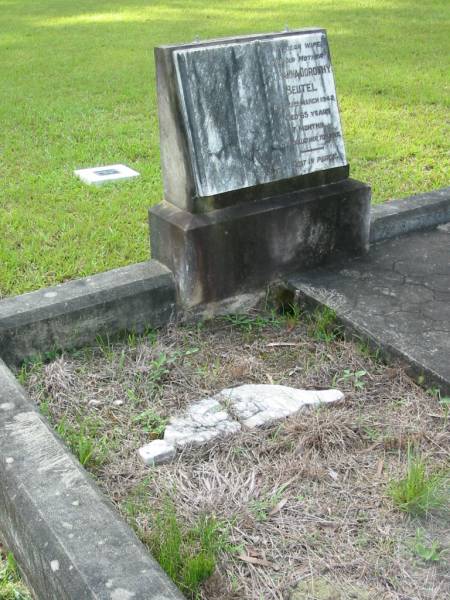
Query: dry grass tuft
x=325 y=432
x=58 y=378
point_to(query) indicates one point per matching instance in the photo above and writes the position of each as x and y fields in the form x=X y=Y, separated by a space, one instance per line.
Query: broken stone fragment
x=157 y=452
x=224 y=414
x=203 y=421
x=256 y=405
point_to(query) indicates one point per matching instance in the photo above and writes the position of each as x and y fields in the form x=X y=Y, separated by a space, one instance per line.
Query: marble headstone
x=241 y=113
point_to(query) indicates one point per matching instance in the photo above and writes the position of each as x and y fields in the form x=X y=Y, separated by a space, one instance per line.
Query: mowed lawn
x=77 y=89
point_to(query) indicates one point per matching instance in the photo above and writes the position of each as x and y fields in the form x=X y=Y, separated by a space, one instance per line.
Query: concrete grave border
x=73 y=314
x=67 y=537
x=415 y=213
x=45 y=495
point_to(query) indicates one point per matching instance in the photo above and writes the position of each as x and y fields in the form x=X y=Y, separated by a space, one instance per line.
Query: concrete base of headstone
x=223 y=252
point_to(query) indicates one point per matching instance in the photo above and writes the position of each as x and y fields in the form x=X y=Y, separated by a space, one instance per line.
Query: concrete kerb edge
x=415 y=213
x=52 y=515
x=69 y=541
x=75 y=313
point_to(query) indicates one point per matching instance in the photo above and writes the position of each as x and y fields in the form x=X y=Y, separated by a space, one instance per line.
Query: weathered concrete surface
x=397 y=296
x=219 y=416
x=226 y=252
x=75 y=313
x=157 y=452
x=419 y=212
x=69 y=541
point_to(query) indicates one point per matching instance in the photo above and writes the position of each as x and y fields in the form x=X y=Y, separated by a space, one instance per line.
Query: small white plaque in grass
x=101 y=175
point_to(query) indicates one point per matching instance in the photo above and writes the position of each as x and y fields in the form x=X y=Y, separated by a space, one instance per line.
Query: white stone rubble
x=258 y=405
x=157 y=452
x=224 y=414
x=204 y=421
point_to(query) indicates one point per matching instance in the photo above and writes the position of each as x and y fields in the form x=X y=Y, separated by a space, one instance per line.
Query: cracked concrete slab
x=397 y=296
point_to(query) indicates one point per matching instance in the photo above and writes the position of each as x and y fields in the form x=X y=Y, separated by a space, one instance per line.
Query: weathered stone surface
x=157 y=452
x=225 y=413
x=257 y=405
x=249 y=110
x=76 y=313
x=203 y=421
x=397 y=296
x=243 y=112
x=415 y=213
x=225 y=252
x=68 y=539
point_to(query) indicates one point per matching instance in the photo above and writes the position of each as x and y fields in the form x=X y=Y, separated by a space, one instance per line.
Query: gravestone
x=256 y=181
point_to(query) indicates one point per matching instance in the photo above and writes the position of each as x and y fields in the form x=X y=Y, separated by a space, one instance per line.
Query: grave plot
x=348 y=499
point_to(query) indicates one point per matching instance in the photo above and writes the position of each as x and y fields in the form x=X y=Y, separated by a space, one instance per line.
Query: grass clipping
x=344 y=501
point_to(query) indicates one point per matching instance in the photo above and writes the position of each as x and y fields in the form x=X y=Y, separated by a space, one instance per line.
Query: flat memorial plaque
x=259 y=110
x=101 y=175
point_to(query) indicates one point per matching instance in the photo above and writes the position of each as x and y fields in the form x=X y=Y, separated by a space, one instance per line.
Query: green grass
x=77 y=89
x=152 y=423
x=323 y=324
x=11 y=587
x=427 y=550
x=420 y=491
x=253 y=323
x=83 y=440
x=187 y=554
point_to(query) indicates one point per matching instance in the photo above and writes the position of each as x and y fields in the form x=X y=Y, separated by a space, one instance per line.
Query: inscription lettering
x=260 y=110
x=303 y=87
x=317 y=129
x=307 y=71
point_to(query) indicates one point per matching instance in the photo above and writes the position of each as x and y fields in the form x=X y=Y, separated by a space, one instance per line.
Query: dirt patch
x=305 y=502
